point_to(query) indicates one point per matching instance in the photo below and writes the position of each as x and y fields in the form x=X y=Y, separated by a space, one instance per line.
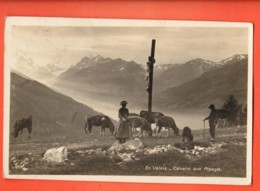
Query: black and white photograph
x=128 y=100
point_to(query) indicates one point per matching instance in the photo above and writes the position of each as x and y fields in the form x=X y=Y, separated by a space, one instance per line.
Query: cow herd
x=140 y=121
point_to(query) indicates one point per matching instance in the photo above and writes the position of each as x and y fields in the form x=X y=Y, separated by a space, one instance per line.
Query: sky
x=64 y=46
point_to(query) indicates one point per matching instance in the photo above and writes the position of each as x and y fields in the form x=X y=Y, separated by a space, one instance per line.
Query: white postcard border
x=45 y=21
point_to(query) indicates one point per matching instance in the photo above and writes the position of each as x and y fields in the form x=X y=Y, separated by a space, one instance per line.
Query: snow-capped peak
x=234 y=58
x=200 y=62
x=100 y=59
x=163 y=66
x=89 y=61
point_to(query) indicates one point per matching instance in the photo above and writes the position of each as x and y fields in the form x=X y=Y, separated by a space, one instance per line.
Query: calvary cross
x=149 y=76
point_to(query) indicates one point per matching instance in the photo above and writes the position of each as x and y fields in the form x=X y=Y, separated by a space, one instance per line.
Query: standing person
x=123 y=129
x=212 y=121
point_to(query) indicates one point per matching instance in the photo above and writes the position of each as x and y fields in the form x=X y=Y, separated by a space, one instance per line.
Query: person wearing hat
x=212 y=121
x=123 y=129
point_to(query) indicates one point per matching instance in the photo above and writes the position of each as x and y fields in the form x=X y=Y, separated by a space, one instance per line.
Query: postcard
x=117 y=100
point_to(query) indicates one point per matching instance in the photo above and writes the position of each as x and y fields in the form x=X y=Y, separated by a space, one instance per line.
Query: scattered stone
x=98 y=151
x=239 y=143
x=57 y=155
x=153 y=150
x=125 y=152
x=116 y=159
x=194 y=151
x=199 y=148
x=133 y=144
x=80 y=152
x=17 y=166
x=115 y=147
x=91 y=151
x=141 y=150
x=126 y=157
x=25 y=169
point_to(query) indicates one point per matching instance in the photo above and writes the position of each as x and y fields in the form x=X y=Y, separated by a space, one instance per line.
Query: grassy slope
x=53 y=113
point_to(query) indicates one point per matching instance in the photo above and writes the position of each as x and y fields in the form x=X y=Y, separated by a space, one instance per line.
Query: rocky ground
x=142 y=156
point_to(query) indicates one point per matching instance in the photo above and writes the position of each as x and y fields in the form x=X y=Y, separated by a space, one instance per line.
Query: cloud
x=173 y=44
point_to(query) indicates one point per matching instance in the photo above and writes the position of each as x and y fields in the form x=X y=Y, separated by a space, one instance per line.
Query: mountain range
x=176 y=86
x=191 y=86
x=105 y=79
x=35 y=71
x=178 y=74
x=212 y=87
x=111 y=80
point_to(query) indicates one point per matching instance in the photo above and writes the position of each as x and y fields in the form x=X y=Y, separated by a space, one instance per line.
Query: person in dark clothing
x=123 y=129
x=212 y=121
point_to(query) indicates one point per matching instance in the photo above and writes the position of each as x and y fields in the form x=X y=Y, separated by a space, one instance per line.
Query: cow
x=99 y=120
x=139 y=122
x=187 y=135
x=133 y=114
x=225 y=116
x=20 y=124
x=222 y=115
x=151 y=118
x=168 y=123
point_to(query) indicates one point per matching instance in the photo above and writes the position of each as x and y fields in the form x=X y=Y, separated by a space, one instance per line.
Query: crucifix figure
x=149 y=76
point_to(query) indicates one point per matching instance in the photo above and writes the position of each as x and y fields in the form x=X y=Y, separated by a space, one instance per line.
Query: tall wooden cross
x=150 y=64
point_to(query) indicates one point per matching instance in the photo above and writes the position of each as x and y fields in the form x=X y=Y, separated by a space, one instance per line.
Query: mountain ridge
x=116 y=79
x=53 y=112
x=212 y=86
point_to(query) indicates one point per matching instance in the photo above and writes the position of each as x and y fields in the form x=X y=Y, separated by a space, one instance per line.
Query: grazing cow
x=20 y=124
x=139 y=122
x=187 y=135
x=99 y=120
x=167 y=122
x=221 y=114
x=151 y=118
x=133 y=114
x=226 y=116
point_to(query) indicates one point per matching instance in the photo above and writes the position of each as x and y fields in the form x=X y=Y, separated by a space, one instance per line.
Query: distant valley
x=102 y=83
x=111 y=80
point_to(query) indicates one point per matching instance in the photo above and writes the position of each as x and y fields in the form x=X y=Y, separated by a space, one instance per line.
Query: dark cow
x=133 y=114
x=167 y=122
x=99 y=120
x=223 y=115
x=20 y=124
x=226 y=116
x=136 y=121
x=151 y=118
x=187 y=135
